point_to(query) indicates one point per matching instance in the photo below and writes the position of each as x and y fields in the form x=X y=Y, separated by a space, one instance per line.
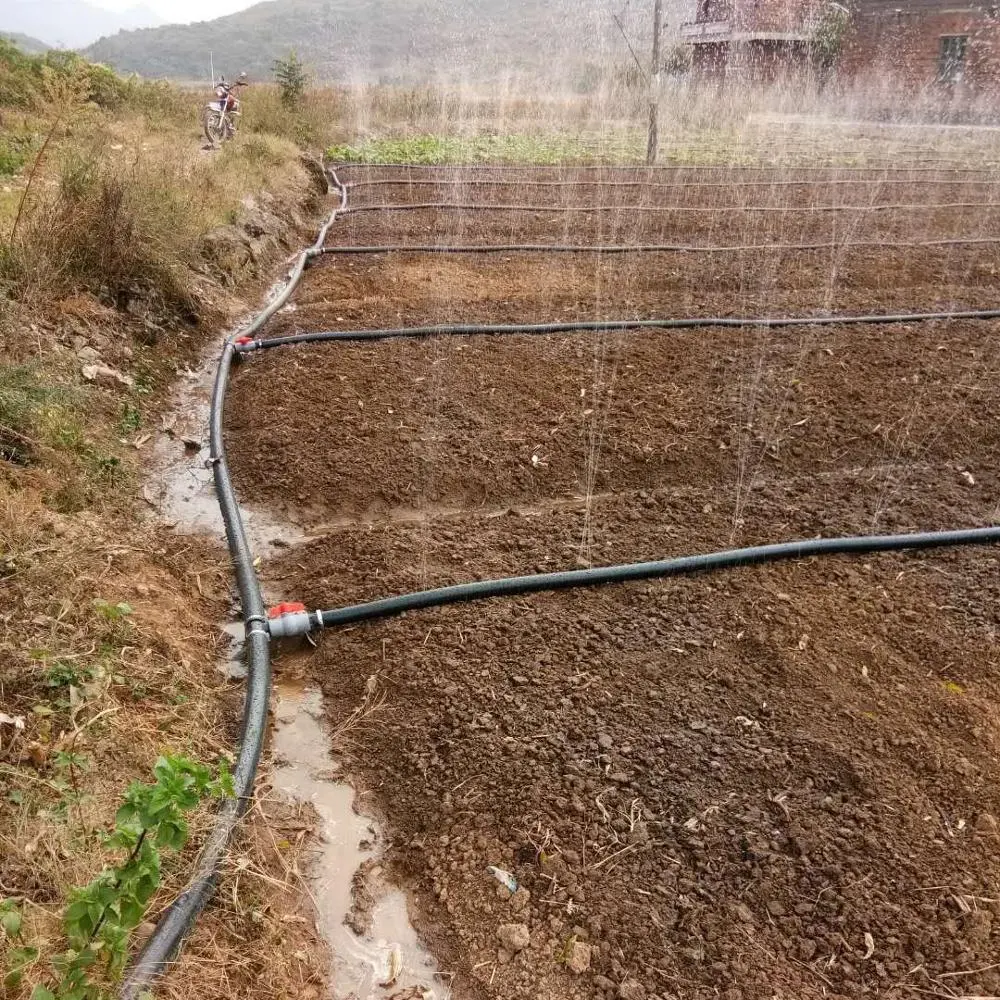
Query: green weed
x=131 y=420
x=116 y=621
x=32 y=412
x=113 y=612
x=100 y=918
x=14 y=152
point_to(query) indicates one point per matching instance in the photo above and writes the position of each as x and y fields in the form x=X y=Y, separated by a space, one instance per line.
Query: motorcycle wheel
x=215 y=127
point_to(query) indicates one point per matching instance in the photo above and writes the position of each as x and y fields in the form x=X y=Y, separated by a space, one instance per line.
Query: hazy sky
x=182 y=10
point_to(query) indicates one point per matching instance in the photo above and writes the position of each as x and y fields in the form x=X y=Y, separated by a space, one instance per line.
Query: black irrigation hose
x=681 y=566
x=599 y=326
x=438 y=206
x=653 y=185
x=657 y=247
x=175 y=924
x=662 y=167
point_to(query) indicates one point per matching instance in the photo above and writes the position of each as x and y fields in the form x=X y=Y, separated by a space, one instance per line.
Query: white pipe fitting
x=294 y=623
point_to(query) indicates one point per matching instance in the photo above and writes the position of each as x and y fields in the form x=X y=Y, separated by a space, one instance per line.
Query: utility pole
x=653 y=143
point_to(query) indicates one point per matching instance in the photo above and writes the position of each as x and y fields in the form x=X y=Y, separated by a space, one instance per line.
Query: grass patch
x=308 y=123
x=15 y=149
x=551 y=149
x=34 y=413
x=123 y=216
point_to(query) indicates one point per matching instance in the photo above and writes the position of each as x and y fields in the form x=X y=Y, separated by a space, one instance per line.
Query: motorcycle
x=221 y=116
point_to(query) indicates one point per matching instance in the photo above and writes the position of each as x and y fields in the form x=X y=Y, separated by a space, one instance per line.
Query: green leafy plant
x=113 y=612
x=131 y=419
x=116 y=624
x=292 y=79
x=100 y=917
x=19 y=957
x=61 y=674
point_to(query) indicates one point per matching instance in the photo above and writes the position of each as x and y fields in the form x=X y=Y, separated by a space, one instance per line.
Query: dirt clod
x=632 y=989
x=579 y=957
x=514 y=937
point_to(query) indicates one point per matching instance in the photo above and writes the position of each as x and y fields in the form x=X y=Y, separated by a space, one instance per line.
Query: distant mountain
x=70 y=24
x=390 y=40
x=25 y=42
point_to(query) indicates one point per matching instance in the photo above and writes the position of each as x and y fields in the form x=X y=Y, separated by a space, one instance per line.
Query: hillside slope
x=394 y=40
x=25 y=42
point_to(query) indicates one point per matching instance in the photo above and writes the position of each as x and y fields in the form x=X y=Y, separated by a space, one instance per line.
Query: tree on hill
x=292 y=79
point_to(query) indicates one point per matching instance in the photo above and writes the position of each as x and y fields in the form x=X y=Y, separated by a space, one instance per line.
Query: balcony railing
x=705 y=31
x=727 y=31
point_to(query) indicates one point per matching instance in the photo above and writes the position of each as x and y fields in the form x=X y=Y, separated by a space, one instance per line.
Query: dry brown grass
x=110 y=256
x=120 y=211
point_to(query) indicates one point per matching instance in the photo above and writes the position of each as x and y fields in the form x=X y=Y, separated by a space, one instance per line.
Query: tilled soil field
x=776 y=782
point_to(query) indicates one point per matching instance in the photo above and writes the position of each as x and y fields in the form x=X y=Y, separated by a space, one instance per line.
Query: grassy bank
x=124 y=247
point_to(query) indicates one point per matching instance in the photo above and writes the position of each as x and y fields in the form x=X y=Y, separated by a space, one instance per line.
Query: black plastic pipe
x=681 y=566
x=658 y=247
x=599 y=326
x=175 y=924
x=662 y=167
x=438 y=206
x=654 y=185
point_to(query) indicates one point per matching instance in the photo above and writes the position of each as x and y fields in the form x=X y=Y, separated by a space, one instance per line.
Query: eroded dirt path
x=774 y=782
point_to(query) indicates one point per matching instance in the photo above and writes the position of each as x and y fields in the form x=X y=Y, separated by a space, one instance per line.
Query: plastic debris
x=503 y=877
x=395 y=967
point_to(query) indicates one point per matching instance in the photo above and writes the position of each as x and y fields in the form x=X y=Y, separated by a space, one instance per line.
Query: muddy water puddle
x=386 y=960
x=180 y=483
x=375 y=955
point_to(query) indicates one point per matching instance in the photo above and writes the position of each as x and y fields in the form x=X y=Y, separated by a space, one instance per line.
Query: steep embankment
x=125 y=250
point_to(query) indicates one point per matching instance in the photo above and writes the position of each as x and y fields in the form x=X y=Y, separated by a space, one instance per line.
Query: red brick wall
x=772 y=15
x=751 y=62
x=907 y=46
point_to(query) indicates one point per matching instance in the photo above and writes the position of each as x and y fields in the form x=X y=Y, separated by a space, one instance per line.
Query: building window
x=951 y=65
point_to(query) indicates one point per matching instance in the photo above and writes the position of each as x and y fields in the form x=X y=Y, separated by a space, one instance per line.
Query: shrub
x=292 y=79
x=119 y=231
x=14 y=151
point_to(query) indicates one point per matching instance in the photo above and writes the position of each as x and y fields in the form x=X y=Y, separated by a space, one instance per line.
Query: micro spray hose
x=175 y=924
x=603 y=326
x=630 y=210
x=583 y=248
x=681 y=566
